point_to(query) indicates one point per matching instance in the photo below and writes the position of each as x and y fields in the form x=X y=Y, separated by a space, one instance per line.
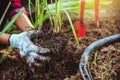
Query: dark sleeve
x=15 y=8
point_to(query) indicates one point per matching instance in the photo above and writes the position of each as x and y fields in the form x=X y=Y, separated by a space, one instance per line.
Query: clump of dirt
x=66 y=56
x=61 y=61
x=47 y=39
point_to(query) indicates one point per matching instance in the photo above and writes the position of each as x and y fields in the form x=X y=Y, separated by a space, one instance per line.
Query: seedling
x=73 y=30
x=57 y=21
x=95 y=58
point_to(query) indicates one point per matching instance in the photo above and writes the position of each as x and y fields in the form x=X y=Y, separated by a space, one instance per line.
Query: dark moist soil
x=66 y=56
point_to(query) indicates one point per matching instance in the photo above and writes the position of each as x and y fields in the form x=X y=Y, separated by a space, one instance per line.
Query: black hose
x=97 y=44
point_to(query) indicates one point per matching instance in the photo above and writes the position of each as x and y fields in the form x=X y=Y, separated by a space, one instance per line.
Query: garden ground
x=66 y=65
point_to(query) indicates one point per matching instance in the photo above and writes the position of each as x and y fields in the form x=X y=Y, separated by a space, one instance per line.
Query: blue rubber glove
x=27 y=49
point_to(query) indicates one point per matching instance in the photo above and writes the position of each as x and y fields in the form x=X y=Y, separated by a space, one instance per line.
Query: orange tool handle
x=82 y=10
x=97 y=12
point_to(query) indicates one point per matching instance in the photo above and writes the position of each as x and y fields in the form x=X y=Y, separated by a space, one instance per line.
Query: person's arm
x=23 y=23
x=22 y=41
x=4 y=38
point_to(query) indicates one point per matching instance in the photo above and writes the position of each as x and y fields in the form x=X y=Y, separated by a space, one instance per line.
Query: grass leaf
x=12 y=21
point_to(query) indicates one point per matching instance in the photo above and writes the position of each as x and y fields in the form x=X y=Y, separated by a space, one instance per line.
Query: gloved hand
x=29 y=50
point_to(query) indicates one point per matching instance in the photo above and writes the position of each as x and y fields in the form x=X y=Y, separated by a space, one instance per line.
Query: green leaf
x=12 y=21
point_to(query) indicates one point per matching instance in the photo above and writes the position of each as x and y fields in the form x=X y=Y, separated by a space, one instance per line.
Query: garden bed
x=66 y=63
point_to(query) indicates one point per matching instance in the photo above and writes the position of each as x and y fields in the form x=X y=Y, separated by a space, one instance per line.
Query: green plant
x=5 y=12
x=40 y=15
x=72 y=26
x=95 y=58
x=55 y=11
x=39 y=9
x=57 y=17
x=29 y=8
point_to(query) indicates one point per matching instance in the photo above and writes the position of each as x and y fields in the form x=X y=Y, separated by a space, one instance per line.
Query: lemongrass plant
x=72 y=27
x=40 y=15
x=55 y=11
x=39 y=9
x=30 y=11
x=57 y=17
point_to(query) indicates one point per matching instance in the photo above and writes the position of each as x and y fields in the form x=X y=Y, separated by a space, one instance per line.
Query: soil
x=66 y=56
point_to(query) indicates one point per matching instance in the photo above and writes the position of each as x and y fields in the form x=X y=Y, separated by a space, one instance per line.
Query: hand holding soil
x=47 y=39
x=65 y=65
x=27 y=49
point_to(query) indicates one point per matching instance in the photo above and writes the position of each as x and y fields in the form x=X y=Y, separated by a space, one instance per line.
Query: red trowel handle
x=82 y=10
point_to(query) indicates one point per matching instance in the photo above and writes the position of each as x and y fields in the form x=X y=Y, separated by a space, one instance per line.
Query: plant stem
x=73 y=30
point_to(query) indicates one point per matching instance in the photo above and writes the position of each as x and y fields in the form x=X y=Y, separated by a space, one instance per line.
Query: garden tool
x=79 y=25
x=97 y=12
